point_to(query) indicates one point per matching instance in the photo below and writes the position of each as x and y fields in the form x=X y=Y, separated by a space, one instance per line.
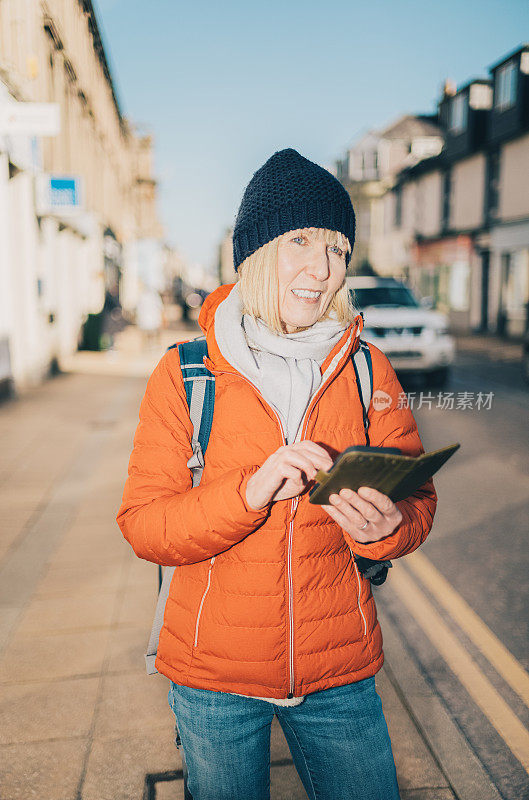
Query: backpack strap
x=364 y=380
x=199 y=384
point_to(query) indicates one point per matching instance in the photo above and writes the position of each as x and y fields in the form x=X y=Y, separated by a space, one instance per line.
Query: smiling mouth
x=307 y=294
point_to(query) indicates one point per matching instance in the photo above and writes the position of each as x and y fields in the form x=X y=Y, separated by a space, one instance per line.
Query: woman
x=268 y=613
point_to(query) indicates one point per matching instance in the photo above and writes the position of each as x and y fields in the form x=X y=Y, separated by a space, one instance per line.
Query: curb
x=458 y=763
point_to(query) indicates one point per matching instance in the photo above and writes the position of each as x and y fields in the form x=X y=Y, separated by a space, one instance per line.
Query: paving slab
x=172 y=790
x=126 y=649
x=81 y=580
x=46 y=770
x=32 y=712
x=54 y=657
x=116 y=768
x=141 y=572
x=89 y=544
x=53 y=615
x=131 y=704
x=138 y=604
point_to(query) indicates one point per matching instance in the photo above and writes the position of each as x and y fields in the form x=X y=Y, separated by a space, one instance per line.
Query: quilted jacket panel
x=265 y=603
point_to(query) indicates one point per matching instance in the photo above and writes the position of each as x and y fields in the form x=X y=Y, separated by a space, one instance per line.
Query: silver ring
x=364 y=525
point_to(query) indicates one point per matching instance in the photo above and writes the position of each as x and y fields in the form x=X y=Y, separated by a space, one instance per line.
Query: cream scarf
x=285 y=368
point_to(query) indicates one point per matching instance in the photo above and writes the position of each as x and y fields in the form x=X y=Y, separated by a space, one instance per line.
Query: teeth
x=305 y=293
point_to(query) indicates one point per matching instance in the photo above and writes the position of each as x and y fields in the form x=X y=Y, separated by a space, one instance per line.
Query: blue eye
x=335 y=247
x=297 y=237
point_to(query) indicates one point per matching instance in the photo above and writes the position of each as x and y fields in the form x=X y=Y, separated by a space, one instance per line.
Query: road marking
x=499 y=656
x=492 y=704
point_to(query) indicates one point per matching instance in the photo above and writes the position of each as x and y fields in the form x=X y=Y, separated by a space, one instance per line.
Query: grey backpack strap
x=364 y=379
x=152 y=647
x=200 y=403
x=196 y=462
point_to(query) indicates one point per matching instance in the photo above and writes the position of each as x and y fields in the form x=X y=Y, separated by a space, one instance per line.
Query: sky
x=222 y=86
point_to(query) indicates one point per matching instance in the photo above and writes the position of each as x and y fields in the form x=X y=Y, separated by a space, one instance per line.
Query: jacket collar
x=216 y=361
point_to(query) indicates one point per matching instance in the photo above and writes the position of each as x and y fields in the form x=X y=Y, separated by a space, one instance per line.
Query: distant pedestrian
x=149 y=315
x=268 y=613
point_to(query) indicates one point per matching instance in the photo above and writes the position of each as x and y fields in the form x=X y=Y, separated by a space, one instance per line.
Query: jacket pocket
x=204 y=595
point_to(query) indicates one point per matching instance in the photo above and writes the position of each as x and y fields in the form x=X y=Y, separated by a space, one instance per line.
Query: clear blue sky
x=223 y=85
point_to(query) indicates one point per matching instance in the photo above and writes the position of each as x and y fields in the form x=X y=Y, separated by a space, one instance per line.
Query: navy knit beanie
x=286 y=193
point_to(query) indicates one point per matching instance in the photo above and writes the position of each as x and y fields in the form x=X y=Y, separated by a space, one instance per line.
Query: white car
x=412 y=336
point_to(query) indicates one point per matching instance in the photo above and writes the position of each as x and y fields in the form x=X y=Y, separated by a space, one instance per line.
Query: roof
x=409 y=126
x=425 y=165
x=99 y=48
x=522 y=49
x=465 y=86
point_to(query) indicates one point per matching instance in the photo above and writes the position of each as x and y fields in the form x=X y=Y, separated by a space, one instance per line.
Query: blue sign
x=64 y=192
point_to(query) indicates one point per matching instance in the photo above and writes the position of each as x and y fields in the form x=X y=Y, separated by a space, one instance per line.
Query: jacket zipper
x=359 y=593
x=293 y=506
x=206 y=590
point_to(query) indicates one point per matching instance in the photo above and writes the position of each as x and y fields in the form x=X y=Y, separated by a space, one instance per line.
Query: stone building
x=464 y=214
x=368 y=172
x=71 y=203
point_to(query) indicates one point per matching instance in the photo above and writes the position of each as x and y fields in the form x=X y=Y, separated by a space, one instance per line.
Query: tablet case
x=382 y=468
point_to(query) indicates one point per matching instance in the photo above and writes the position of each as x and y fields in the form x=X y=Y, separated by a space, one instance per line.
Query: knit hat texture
x=286 y=193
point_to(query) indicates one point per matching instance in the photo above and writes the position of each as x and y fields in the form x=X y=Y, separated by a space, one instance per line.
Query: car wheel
x=438 y=378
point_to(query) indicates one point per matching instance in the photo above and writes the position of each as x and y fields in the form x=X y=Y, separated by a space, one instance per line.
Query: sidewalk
x=492 y=347
x=80 y=718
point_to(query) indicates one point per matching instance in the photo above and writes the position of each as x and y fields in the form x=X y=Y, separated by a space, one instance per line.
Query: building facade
x=368 y=172
x=462 y=217
x=72 y=204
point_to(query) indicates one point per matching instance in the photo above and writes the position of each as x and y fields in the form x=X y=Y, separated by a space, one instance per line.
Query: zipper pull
x=207 y=363
x=293 y=509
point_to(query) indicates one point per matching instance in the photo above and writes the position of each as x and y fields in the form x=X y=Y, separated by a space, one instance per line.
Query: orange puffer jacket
x=265 y=603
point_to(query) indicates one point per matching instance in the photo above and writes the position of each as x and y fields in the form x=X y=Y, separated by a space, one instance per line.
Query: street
x=80 y=718
x=479 y=545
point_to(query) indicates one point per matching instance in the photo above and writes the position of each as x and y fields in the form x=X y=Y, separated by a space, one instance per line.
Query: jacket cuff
x=396 y=544
x=260 y=513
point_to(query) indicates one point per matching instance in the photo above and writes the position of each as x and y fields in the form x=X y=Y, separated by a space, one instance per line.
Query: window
x=493 y=184
x=447 y=189
x=458 y=113
x=369 y=164
x=398 y=206
x=505 y=87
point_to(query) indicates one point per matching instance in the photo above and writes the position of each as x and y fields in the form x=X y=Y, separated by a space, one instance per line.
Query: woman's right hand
x=286 y=473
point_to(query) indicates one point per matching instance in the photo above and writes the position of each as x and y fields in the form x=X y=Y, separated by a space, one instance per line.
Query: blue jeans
x=338 y=739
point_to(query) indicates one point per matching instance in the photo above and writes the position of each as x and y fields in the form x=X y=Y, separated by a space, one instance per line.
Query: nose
x=318 y=263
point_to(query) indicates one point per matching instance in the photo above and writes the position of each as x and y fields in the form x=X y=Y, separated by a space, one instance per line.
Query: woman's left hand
x=351 y=510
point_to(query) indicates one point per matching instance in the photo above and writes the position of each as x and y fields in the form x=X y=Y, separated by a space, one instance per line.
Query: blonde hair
x=258 y=283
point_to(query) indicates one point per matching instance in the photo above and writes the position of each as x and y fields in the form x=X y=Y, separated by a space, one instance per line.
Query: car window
x=383 y=296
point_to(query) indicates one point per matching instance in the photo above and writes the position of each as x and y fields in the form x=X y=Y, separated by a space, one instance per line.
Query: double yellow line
x=489 y=700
